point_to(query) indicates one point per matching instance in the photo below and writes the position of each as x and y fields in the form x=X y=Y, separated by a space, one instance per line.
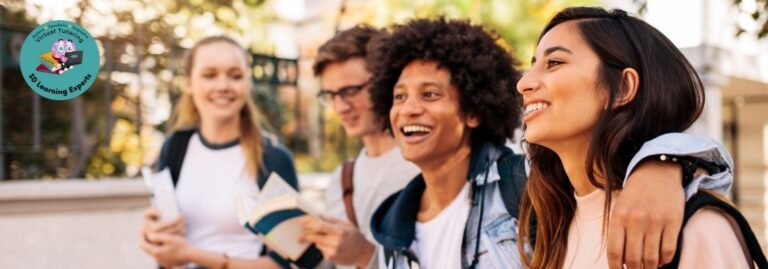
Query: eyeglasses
x=326 y=97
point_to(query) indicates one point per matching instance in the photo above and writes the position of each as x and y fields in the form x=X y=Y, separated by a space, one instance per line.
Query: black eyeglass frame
x=326 y=97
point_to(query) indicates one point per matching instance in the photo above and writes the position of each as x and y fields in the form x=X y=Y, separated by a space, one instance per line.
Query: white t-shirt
x=437 y=243
x=374 y=179
x=211 y=177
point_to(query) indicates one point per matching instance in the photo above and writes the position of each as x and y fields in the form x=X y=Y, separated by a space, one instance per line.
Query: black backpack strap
x=703 y=199
x=392 y=257
x=512 y=183
x=278 y=159
x=173 y=152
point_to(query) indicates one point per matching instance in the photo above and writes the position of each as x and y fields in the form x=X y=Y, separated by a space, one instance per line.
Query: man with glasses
x=359 y=185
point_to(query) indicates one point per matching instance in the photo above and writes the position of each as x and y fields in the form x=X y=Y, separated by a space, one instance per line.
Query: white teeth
x=535 y=107
x=221 y=101
x=416 y=128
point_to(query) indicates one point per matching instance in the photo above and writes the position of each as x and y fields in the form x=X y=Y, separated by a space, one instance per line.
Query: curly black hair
x=484 y=73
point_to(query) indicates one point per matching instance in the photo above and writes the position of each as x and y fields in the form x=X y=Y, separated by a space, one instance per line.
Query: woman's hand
x=153 y=225
x=168 y=249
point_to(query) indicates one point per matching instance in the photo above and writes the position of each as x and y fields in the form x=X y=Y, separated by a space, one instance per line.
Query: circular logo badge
x=59 y=60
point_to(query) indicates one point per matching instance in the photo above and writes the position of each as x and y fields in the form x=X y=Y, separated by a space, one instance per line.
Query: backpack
x=511 y=168
x=703 y=199
x=512 y=183
x=511 y=186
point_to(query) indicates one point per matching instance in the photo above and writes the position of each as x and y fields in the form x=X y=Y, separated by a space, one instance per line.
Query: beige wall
x=91 y=239
x=72 y=224
x=752 y=165
x=83 y=224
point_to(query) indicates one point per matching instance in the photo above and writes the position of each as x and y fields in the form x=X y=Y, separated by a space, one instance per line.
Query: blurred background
x=70 y=196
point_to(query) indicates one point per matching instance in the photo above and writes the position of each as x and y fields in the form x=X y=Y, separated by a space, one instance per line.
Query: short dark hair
x=343 y=46
x=483 y=72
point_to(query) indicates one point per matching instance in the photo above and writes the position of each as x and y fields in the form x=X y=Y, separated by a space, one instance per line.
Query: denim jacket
x=393 y=224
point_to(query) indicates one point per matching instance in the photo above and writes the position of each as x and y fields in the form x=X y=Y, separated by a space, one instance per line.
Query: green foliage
x=517 y=23
x=142 y=43
x=758 y=14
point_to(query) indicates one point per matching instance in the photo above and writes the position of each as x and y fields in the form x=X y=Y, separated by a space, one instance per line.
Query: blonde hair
x=186 y=116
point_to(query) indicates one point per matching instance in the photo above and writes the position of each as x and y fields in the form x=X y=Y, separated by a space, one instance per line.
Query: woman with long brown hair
x=217 y=151
x=600 y=85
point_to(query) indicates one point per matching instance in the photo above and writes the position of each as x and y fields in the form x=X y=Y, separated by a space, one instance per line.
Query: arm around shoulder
x=683 y=144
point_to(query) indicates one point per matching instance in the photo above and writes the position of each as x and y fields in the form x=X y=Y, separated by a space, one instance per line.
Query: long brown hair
x=669 y=98
x=186 y=116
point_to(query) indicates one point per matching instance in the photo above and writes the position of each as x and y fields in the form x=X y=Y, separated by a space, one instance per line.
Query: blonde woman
x=217 y=150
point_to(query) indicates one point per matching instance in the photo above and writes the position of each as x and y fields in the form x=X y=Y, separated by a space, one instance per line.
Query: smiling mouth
x=221 y=101
x=415 y=130
x=348 y=119
x=538 y=106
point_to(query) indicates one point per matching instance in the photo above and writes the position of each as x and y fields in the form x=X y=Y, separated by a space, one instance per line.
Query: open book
x=275 y=216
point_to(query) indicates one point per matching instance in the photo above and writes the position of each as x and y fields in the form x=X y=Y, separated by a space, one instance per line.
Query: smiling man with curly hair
x=481 y=72
x=446 y=90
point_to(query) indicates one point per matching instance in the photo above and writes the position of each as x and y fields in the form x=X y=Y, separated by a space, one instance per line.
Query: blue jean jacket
x=393 y=224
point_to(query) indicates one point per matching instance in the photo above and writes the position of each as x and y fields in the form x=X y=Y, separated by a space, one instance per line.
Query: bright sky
x=679 y=20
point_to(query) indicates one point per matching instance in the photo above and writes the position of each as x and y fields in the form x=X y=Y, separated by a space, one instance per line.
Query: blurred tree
x=518 y=23
x=142 y=43
x=758 y=13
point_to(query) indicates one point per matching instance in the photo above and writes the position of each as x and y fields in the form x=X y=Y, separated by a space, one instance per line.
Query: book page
x=284 y=239
x=276 y=216
x=282 y=202
x=275 y=187
x=245 y=205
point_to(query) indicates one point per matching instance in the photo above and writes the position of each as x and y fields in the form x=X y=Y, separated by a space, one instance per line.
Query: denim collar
x=484 y=161
x=394 y=222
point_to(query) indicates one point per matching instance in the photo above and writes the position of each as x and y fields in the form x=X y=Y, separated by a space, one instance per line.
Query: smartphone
x=160 y=186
